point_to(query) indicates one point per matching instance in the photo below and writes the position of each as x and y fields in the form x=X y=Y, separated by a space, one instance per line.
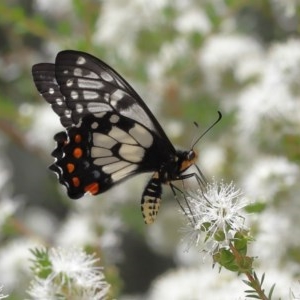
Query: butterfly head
x=188 y=158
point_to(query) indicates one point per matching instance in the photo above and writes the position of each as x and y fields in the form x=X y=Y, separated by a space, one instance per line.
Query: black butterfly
x=110 y=132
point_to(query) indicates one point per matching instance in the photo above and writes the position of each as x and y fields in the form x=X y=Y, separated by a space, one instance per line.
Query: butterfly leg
x=186 y=209
x=151 y=199
x=200 y=178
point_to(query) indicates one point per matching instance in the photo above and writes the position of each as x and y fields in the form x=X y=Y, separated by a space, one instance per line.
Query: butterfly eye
x=191 y=155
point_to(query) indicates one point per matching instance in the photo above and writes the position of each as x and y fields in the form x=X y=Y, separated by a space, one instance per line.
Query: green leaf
x=226 y=259
x=241 y=242
x=247 y=283
x=42 y=266
x=245 y=264
x=219 y=236
x=256 y=207
x=271 y=291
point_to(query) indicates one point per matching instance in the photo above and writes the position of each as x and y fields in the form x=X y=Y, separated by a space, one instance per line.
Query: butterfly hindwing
x=101 y=151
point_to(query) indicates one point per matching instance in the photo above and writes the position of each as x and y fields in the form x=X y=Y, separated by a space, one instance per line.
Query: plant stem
x=255 y=284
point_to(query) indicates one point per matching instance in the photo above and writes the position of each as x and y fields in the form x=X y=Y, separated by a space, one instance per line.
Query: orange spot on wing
x=70 y=168
x=77 y=153
x=78 y=138
x=76 y=181
x=92 y=188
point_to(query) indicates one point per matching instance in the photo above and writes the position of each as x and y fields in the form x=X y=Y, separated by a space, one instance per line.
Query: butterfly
x=110 y=133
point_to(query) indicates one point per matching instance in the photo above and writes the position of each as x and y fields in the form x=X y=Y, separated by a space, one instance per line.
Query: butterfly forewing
x=46 y=84
x=91 y=86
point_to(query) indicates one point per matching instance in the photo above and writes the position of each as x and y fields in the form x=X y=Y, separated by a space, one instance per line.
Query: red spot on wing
x=76 y=181
x=77 y=153
x=78 y=138
x=92 y=188
x=70 y=167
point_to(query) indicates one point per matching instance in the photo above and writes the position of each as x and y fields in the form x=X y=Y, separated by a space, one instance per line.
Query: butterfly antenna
x=207 y=130
x=194 y=135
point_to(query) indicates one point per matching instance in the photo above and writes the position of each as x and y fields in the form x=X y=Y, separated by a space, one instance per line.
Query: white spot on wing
x=74 y=95
x=106 y=97
x=117 y=95
x=131 y=153
x=105 y=160
x=95 y=125
x=124 y=172
x=67 y=113
x=59 y=101
x=51 y=91
x=102 y=140
x=90 y=95
x=121 y=136
x=100 y=152
x=69 y=82
x=77 y=72
x=79 y=108
x=98 y=108
x=141 y=135
x=89 y=84
x=119 y=83
x=137 y=113
x=107 y=77
x=92 y=75
x=81 y=60
x=114 y=167
x=114 y=118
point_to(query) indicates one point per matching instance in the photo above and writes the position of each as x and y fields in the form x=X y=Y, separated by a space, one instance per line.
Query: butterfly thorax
x=176 y=165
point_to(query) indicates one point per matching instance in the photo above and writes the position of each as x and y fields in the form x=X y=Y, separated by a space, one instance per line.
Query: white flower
x=77 y=230
x=236 y=52
x=42 y=117
x=272 y=98
x=285 y=9
x=193 y=20
x=196 y=284
x=1 y=295
x=43 y=289
x=214 y=215
x=72 y=274
x=14 y=262
x=269 y=176
x=295 y=291
x=76 y=265
x=7 y=208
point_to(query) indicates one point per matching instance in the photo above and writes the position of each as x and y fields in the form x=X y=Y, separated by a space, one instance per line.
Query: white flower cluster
x=73 y=272
x=212 y=211
x=1 y=295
